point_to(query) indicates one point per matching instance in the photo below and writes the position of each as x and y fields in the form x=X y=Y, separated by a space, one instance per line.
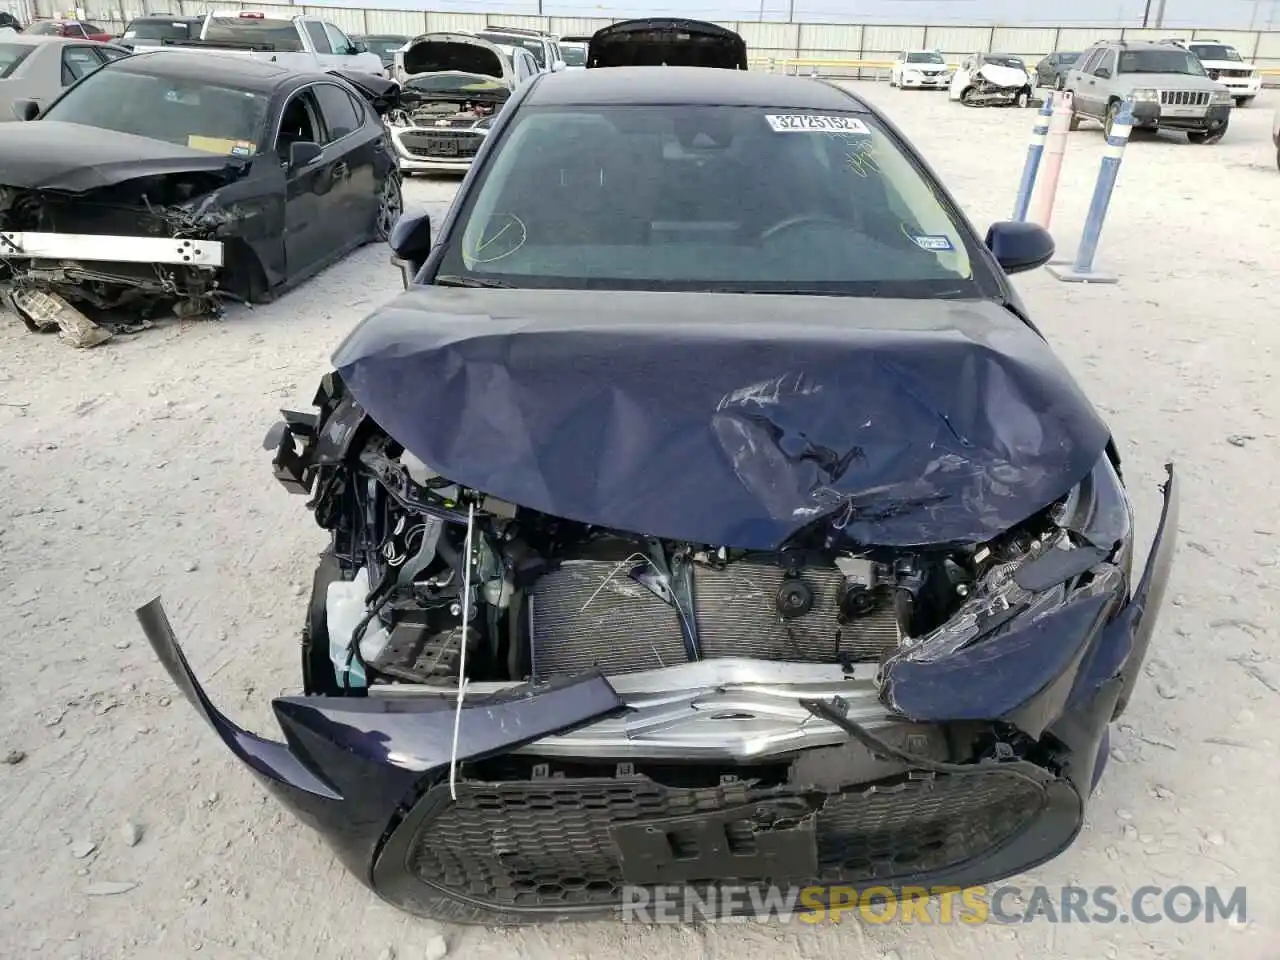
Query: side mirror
x=304 y=153
x=558 y=66
x=26 y=109
x=1019 y=246
x=1103 y=73
x=356 y=48
x=410 y=242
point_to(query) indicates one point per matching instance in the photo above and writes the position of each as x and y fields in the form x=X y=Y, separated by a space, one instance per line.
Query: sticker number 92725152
x=809 y=123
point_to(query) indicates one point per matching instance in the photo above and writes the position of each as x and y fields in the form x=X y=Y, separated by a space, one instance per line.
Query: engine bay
x=543 y=597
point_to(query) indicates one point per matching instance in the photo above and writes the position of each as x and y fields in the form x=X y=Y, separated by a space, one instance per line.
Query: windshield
x=707 y=198
x=1161 y=61
x=1065 y=58
x=384 y=47
x=925 y=58
x=1000 y=60
x=1216 y=51
x=203 y=116
x=574 y=55
x=11 y=54
x=157 y=30
x=534 y=46
x=281 y=34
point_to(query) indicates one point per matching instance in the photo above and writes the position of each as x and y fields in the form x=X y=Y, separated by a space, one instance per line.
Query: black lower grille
x=551 y=843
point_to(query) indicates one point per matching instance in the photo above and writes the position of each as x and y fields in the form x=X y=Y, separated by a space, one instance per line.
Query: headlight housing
x=1094 y=536
x=1221 y=96
x=1145 y=95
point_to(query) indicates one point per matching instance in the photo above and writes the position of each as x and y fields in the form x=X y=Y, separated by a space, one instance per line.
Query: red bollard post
x=1054 y=149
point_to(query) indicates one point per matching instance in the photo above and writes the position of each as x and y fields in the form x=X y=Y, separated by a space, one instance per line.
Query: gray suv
x=1168 y=86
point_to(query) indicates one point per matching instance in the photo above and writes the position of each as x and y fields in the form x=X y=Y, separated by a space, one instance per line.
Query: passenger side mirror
x=356 y=48
x=304 y=153
x=1103 y=73
x=410 y=242
x=558 y=66
x=1019 y=246
x=26 y=109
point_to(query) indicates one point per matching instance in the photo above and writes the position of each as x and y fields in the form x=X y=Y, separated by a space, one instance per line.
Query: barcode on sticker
x=934 y=243
x=808 y=123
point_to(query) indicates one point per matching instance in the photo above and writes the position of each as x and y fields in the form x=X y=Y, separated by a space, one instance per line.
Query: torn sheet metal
x=41 y=311
x=731 y=419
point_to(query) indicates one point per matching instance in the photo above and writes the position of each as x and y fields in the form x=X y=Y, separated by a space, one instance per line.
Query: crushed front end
x=645 y=711
x=123 y=253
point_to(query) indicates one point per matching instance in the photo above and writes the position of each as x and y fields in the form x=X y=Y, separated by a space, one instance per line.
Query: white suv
x=1222 y=62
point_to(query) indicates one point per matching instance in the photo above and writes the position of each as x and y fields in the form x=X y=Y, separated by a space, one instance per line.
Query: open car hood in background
x=455 y=52
x=667 y=42
x=704 y=417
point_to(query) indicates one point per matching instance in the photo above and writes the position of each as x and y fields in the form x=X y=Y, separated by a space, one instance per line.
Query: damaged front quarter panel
x=1022 y=656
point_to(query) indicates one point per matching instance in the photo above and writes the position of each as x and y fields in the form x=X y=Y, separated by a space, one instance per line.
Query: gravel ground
x=136 y=469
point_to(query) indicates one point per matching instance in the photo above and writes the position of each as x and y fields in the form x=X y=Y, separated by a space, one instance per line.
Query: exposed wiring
x=462 y=652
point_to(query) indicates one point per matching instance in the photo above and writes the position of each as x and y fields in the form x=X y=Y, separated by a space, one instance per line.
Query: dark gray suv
x=1168 y=86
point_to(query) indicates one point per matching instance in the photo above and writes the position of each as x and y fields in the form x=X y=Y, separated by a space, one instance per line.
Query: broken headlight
x=1092 y=526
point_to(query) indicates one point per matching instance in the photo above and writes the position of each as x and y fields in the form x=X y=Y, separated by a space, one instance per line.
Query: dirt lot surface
x=136 y=469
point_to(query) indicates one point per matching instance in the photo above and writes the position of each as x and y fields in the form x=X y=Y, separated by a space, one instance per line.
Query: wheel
x=1113 y=111
x=1024 y=97
x=1060 y=83
x=1278 y=157
x=1243 y=101
x=893 y=80
x=390 y=206
x=1206 y=136
x=966 y=96
x=1074 y=123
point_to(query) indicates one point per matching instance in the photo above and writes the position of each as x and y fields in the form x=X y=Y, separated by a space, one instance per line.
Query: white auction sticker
x=808 y=123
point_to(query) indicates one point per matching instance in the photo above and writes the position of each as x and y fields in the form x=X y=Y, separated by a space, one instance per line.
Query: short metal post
x=1055 y=149
x=1082 y=269
x=1032 y=165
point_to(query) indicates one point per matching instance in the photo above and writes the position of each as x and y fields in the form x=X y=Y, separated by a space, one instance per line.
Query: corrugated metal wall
x=780 y=41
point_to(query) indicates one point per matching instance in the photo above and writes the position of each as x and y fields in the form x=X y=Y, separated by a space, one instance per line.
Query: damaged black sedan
x=708 y=510
x=172 y=182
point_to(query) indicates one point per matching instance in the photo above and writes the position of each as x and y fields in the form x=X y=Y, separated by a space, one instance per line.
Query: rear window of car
x=708 y=198
x=535 y=47
x=1172 y=60
x=11 y=54
x=573 y=55
x=282 y=35
x=45 y=29
x=157 y=30
x=205 y=117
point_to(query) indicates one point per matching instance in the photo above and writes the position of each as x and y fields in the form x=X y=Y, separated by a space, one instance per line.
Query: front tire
x=1024 y=97
x=1059 y=84
x=1113 y=111
x=390 y=207
x=1243 y=101
x=1206 y=136
x=966 y=96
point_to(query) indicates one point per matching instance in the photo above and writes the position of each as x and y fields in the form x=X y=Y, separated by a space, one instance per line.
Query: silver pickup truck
x=304 y=42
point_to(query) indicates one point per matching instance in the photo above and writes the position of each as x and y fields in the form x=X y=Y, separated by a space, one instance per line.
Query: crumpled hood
x=49 y=155
x=732 y=420
x=1003 y=76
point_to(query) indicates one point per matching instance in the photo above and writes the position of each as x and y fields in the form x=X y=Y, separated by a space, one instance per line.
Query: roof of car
x=233 y=71
x=40 y=39
x=689 y=85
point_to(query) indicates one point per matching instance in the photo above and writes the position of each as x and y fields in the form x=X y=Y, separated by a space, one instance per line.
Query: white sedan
x=39 y=67
x=920 y=68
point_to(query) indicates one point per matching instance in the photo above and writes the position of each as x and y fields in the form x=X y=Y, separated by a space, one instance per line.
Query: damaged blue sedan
x=708 y=510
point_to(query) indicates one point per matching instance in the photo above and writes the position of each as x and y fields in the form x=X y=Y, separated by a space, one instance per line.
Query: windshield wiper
x=449 y=280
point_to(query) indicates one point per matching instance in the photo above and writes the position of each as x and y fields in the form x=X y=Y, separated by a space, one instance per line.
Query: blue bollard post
x=1032 y=166
x=1081 y=270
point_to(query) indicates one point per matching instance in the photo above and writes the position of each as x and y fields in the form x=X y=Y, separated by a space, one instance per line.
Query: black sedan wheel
x=1060 y=83
x=390 y=206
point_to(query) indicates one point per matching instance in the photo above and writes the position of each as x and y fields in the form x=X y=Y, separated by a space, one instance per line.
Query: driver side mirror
x=410 y=243
x=1019 y=246
x=558 y=66
x=1103 y=73
x=303 y=153
x=356 y=48
x=26 y=109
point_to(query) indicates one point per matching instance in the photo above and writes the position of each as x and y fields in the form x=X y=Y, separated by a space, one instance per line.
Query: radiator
x=589 y=614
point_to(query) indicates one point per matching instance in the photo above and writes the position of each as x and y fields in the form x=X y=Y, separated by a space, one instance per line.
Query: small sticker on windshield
x=934 y=243
x=242 y=149
x=808 y=123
